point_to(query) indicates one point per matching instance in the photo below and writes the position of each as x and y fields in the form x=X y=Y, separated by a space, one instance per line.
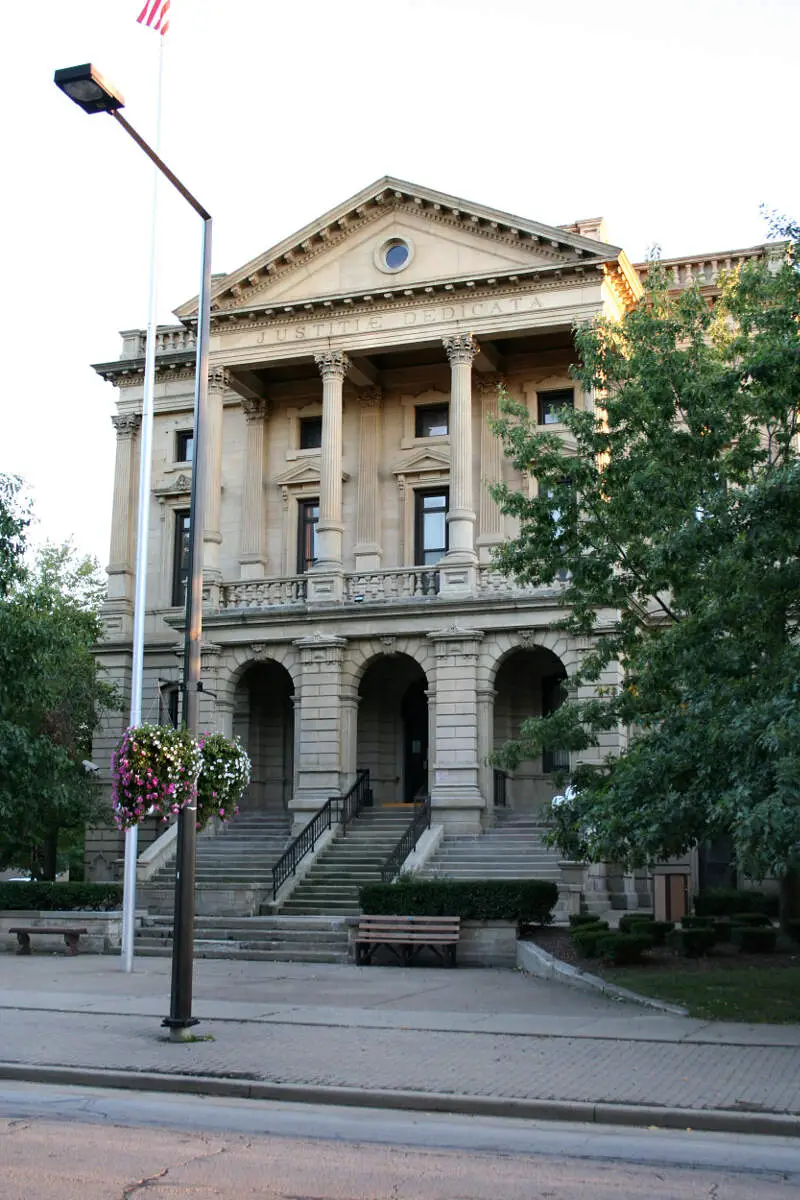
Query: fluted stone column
x=457 y=570
x=368 y=509
x=486 y=699
x=211 y=499
x=253 y=560
x=490 y=519
x=123 y=514
x=333 y=368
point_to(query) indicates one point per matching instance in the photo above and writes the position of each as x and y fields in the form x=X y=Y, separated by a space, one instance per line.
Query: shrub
x=624 y=949
x=749 y=918
x=754 y=939
x=48 y=896
x=526 y=901
x=693 y=943
x=723 y=902
x=629 y=921
x=792 y=928
x=656 y=930
x=586 y=939
x=697 y=922
x=577 y=919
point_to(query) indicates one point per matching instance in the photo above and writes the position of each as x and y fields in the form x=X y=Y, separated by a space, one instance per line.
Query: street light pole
x=85 y=86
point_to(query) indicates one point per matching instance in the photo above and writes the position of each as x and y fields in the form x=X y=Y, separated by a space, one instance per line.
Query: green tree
x=51 y=696
x=674 y=504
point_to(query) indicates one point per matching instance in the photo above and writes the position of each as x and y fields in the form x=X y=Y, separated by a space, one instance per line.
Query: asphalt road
x=59 y=1143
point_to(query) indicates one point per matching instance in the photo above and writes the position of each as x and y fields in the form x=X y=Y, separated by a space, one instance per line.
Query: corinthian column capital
x=461 y=348
x=256 y=408
x=127 y=424
x=332 y=364
x=218 y=378
x=488 y=384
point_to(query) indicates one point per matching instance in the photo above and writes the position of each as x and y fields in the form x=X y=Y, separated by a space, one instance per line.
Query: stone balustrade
x=368 y=587
x=169 y=339
x=703 y=271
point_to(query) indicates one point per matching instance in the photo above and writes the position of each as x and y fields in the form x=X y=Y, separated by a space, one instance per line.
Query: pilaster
x=326 y=578
x=318 y=724
x=368 y=513
x=457 y=569
x=486 y=699
x=455 y=792
x=211 y=499
x=490 y=519
x=253 y=560
x=123 y=515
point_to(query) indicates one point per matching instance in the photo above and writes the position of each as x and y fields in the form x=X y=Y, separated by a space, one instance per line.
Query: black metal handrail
x=408 y=842
x=336 y=808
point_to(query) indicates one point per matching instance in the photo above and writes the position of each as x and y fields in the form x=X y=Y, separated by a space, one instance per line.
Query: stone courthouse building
x=353 y=617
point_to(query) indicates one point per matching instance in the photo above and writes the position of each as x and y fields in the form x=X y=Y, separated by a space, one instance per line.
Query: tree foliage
x=674 y=503
x=51 y=695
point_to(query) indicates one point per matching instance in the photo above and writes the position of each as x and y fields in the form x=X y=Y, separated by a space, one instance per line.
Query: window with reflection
x=307 y=522
x=180 y=557
x=553 y=405
x=430 y=539
x=431 y=420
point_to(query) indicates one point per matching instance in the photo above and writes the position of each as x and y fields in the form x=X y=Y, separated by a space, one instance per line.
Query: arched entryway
x=393 y=729
x=263 y=717
x=529 y=683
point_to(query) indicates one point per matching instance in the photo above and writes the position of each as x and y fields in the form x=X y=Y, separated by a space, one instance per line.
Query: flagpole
x=142 y=532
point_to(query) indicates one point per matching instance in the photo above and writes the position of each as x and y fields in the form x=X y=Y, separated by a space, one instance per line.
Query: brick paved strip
x=749 y=1079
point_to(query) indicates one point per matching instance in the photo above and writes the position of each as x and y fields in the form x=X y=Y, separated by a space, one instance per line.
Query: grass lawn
x=714 y=992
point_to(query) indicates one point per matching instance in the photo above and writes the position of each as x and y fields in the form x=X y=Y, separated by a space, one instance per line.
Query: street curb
x=712 y=1120
x=543 y=965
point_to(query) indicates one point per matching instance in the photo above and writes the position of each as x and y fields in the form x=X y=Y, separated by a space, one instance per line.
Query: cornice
x=128 y=372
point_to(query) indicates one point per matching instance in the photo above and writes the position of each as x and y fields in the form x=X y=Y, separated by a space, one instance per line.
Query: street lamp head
x=87 y=88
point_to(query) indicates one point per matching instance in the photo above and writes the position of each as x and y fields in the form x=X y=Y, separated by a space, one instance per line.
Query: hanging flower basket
x=223 y=778
x=154 y=772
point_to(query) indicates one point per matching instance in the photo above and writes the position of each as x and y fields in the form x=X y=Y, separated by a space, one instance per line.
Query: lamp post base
x=180 y=1030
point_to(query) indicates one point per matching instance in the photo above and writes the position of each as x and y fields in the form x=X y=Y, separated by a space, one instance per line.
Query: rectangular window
x=307 y=521
x=310 y=433
x=430 y=534
x=431 y=420
x=180 y=557
x=168 y=706
x=184 y=445
x=553 y=404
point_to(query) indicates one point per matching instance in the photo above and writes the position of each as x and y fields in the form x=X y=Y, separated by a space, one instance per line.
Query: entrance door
x=415 y=743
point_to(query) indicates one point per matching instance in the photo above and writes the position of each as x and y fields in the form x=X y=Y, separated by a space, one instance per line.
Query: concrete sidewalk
x=464 y=1040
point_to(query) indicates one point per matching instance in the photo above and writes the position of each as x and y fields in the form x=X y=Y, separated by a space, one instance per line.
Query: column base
x=457 y=577
x=253 y=568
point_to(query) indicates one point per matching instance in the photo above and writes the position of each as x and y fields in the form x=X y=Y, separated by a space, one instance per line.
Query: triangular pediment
x=341 y=253
x=422 y=462
x=303 y=474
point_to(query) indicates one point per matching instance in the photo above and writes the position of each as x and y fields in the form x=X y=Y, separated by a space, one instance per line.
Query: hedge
x=585 y=938
x=754 y=940
x=527 y=901
x=49 y=897
x=750 y=918
x=792 y=927
x=697 y=922
x=693 y=943
x=724 y=902
x=578 y=919
x=624 y=949
x=656 y=930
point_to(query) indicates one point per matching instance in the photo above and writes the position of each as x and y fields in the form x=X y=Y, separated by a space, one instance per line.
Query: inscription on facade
x=397 y=319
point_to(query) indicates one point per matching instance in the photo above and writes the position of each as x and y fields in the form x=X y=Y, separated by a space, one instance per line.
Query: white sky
x=674 y=119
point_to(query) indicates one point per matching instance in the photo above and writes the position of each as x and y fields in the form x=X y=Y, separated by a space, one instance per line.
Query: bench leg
x=451 y=956
x=24 y=946
x=72 y=942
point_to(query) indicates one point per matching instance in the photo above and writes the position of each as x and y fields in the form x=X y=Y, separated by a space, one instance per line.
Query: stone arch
x=262 y=699
x=240 y=659
x=392 y=735
x=497 y=649
x=361 y=654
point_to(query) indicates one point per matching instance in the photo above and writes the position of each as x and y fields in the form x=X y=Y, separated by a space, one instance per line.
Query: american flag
x=155 y=15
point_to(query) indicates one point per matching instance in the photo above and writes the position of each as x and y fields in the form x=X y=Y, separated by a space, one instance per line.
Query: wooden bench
x=405 y=936
x=24 y=932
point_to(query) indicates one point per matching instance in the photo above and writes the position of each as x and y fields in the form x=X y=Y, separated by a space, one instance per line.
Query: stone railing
x=264 y=593
x=702 y=270
x=169 y=339
x=369 y=587
x=408 y=583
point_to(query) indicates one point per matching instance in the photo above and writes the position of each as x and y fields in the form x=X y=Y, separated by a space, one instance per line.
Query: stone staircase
x=237 y=859
x=513 y=848
x=265 y=939
x=331 y=885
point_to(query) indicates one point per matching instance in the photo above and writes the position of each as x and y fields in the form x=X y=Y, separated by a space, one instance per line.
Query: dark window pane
x=552 y=405
x=396 y=255
x=310 y=433
x=307 y=521
x=184 y=448
x=180 y=559
x=431 y=421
